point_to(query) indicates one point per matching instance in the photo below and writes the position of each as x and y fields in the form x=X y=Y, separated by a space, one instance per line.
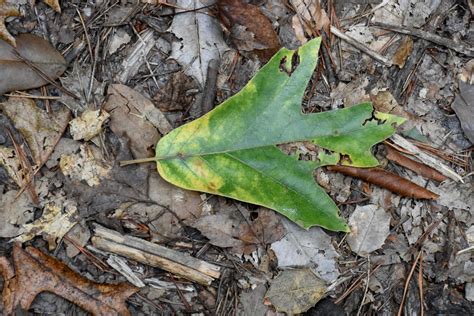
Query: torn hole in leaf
x=295 y=61
x=344 y=159
x=306 y=151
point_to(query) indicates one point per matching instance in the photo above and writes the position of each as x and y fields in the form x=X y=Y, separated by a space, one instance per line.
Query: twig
x=361 y=47
x=178 y=263
x=420 y=285
x=366 y=286
x=461 y=48
x=209 y=91
x=407 y=283
x=32 y=96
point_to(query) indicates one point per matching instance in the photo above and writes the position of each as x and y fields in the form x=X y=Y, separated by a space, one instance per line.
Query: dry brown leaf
x=88 y=125
x=239 y=230
x=403 y=51
x=126 y=120
x=258 y=28
x=384 y=101
x=414 y=165
x=34 y=272
x=15 y=74
x=84 y=166
x=295 y=291
x=309 y=19
x=40 y=130
x=387 y=180
x=7 y=10
x=53 y=224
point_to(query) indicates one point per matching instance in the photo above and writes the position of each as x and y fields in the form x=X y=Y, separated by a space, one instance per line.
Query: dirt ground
x=135 y=70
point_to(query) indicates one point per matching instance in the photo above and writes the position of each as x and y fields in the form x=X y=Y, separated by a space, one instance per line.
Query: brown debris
x=7 y=10
x=414 y=165
x=34 y=272
x=403 y=51
x=257 y=33
x=54 y=4
x=387 y=180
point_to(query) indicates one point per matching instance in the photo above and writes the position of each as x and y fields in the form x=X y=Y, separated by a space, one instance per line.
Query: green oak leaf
x=231 y=151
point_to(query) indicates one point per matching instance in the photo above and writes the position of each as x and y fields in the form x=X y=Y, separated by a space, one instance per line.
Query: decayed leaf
x=464 y=107
x=231 y=151
x=172 y=207
x=309 y=248
x=384 y=101
x=200 y=38
x=387 y=180
x=251 y=30
x=370 y=226
x=414 y=165
x=52 y=225
x=403 y=51
x=125 y=120
x=230 y=229
x=295 y=291
x=15 y=74
x=7 y=10
x=40 y=130
x=251 y=303
x=309 y=17
x=84 y=166
x=34 y=272
x=12 y=164
x=88 y=125
x=14 y=212
x=145 y=107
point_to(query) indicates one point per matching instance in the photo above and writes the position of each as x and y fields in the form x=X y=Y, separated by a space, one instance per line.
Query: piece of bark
x=146 y=252
x=387 y=180
x=34 y=272
x=413 y=165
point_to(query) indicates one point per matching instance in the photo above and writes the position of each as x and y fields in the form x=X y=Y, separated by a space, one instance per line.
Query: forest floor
x=135 y=70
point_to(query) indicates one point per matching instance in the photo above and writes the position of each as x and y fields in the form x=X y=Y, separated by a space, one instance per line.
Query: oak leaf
x=34 y=272
x=232 y=150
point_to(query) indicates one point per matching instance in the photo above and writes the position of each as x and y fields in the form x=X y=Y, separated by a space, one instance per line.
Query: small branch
x=178 y=263
x=459 y=47
x=360 y=46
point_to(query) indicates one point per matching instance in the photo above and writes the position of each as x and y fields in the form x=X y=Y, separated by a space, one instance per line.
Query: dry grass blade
x=413 y=165
x=387 y=180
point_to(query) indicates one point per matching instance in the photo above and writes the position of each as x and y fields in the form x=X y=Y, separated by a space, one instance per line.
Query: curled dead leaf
x=387 y=180
x=414 y=165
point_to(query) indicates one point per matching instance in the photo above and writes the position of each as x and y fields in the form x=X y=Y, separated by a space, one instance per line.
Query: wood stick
x=143 y=251
x=459 y=47
x=361 y=46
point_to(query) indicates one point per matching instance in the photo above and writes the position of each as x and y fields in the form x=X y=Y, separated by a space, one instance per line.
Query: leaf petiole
x=135 y=161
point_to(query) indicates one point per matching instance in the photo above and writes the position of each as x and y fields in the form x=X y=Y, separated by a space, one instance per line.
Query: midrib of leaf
x=199 y=154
